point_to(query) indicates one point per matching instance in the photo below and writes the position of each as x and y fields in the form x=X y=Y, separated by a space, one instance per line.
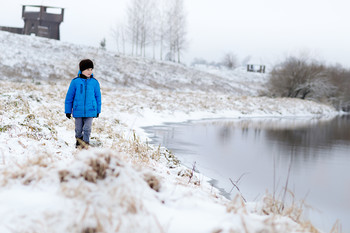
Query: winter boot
x=79 y=142
x=85 y=145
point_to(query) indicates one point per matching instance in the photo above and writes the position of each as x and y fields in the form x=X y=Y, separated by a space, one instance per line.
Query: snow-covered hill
x=43 y=59
x=123 y=184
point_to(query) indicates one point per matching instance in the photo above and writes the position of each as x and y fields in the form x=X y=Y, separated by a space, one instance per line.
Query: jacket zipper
x=85 y=98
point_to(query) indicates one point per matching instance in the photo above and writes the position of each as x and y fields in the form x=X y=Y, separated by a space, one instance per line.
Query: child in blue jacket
x=83 y=99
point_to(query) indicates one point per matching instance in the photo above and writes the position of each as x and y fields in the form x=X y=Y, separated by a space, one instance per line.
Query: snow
x=123 y=184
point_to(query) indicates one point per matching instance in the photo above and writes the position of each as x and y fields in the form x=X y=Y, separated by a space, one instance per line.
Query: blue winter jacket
x=83 y=97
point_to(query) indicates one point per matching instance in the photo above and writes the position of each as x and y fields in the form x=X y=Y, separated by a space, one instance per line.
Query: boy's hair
x=86 y=64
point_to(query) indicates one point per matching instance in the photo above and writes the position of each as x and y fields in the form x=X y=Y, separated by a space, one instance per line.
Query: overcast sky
x=266 y=30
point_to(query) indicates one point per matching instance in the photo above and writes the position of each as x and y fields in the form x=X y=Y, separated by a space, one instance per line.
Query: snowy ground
x=123 y=184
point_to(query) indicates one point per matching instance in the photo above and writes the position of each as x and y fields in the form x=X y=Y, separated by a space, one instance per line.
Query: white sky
x=267 y=30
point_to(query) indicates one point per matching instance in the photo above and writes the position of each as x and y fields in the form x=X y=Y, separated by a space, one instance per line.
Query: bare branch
x=235 y=186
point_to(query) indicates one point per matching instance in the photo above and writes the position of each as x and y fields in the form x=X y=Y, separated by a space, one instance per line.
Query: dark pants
x=83 y=128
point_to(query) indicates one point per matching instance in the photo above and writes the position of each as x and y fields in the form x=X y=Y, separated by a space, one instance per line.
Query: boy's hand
x=68 y=115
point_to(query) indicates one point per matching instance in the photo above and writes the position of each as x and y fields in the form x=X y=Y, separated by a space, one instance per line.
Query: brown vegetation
x=309 y=79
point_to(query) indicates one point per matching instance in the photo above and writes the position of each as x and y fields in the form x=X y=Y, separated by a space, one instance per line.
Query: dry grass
x=152 y=181
x=337 y=227
x=28 y=171
x=273 y=206
x=103 y=173
x=294 y=211
x=237 y=205
x=96 y=169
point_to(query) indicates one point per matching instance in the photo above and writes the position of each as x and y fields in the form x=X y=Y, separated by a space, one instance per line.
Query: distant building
x=256 y=68
x=40 y=21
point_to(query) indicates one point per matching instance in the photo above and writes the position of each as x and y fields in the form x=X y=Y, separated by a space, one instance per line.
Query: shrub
x=230 y=61
x=295 y=78
x=305 y=79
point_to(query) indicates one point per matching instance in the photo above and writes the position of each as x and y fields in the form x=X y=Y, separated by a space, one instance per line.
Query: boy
x=84 y=100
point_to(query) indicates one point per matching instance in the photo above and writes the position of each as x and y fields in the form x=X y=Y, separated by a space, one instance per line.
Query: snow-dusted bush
x=340 y=78
x=301 y=78
x=295 y=78
x=230 y=60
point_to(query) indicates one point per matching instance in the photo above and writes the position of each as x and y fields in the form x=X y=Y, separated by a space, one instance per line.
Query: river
x=311 y=157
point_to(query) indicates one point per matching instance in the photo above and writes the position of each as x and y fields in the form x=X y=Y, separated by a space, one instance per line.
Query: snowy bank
x=129 y=186
x=122 y=184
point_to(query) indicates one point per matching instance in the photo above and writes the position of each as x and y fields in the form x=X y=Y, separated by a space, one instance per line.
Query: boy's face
x=87 y=72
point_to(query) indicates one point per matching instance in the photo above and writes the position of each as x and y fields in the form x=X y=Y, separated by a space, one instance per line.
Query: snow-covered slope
x=43 y=59
x=124 y=184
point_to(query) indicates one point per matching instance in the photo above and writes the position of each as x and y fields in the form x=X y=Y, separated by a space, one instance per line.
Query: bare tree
x=160 y=21
x=157 y=23
x=134 y=25
x=176 y=30
x=140 y=24
x=230 y=60
x=118 y=33
x=146 y=16
x=154 y=23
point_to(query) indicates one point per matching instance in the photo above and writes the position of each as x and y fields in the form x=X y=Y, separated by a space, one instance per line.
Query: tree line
x=156 y=27
x=305 y=78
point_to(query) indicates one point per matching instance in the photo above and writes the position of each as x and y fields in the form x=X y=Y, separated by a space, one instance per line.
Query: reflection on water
x=314 y=140
x=316 y=150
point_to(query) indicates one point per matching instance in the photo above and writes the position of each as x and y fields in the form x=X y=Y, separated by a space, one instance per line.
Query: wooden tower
x=42 y=23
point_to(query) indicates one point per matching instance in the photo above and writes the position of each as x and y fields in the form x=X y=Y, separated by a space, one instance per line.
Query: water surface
x=312 y=155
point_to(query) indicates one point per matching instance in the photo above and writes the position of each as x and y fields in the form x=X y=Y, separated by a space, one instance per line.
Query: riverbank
x=123 y=184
